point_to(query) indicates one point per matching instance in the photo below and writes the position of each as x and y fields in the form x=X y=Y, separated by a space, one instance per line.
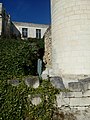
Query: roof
x=30 y=24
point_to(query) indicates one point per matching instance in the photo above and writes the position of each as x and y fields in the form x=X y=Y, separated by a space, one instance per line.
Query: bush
x=15 y=105
x=19 y=57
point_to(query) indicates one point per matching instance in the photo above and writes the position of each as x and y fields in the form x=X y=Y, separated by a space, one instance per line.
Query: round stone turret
x=70 y=37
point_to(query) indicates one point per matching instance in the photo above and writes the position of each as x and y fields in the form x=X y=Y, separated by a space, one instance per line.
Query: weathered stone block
x=85 y=80
x=32 y=82
x=86 y=93
x=36 y=100
x=80 y=102
x=88 y=86
x=57 y=82
x=72 y=94
x=45 y=74
x=78 y=108
x=62 y=101
x=86 y=83
x=85 y=86
x=68 y=79
x=76 y=86
x=74 y=102
x=14 y=82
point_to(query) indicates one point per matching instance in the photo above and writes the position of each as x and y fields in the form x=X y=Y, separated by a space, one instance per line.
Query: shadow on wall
x=11 y=32
x=15 y=33
x=7 y=27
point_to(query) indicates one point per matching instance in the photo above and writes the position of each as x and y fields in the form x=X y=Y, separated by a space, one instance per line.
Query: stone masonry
x=78 y=97
x=71 y=53
x=70 y=37
x=48 y=48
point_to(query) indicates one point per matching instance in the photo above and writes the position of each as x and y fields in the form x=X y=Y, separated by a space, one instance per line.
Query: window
x=24 y=32
x=38 y=33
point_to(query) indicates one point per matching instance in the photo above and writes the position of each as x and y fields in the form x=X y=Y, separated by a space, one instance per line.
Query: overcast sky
x=35 y=11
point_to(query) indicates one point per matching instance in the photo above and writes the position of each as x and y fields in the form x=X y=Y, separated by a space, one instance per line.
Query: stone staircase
x=78 y=97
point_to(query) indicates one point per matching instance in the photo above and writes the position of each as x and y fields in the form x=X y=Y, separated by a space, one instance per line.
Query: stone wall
x=7 y=28
x=78 y=97
x=70 y=36
x=5 y=22
x=48 y=48
x=71 y=104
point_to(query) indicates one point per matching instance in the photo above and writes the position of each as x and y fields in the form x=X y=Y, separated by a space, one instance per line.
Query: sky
x=34 y=11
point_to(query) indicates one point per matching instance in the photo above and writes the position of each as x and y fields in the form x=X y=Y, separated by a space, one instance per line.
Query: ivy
x=15 y=104
x=19 y=57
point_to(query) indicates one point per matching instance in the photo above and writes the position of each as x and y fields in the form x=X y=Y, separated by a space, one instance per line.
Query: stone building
x=31 y=30
x=70 y=38
x=70 y=55
x=19 y=29
x=7 y=28
x=4 y=21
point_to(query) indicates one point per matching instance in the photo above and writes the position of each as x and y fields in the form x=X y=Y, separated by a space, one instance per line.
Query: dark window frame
x=24 y=32
x=38 y=33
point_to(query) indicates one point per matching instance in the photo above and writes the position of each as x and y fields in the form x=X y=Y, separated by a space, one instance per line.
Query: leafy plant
x=19 y=57
x=16 y=105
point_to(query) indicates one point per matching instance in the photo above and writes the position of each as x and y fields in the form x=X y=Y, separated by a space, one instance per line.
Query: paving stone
x=72 y=94
x=76 y=86
x=61 y=101
x=57 y=82
x=32 y=82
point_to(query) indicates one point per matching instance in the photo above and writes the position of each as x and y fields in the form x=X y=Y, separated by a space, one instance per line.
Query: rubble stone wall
x=48 y=48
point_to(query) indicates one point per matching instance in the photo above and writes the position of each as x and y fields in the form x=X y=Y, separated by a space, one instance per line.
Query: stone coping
x=30 y=24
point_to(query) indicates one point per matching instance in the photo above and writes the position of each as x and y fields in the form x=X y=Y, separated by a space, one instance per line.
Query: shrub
x=15 y=105
x=19 y=57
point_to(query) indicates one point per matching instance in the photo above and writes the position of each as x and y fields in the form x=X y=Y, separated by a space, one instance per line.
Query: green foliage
x=12 y=102
x=19 y=57
x=15 y=103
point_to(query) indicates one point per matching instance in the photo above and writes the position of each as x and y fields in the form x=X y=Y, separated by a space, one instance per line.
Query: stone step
x=79 y=86
x=72 y=102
